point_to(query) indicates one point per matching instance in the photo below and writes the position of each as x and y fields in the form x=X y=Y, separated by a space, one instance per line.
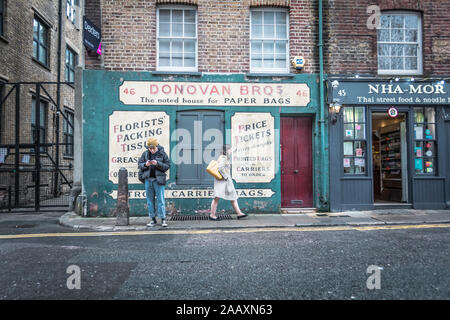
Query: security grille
x=35 y=171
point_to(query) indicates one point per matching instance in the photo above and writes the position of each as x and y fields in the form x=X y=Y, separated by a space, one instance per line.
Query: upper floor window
x=2 y=16
x=269 y=37
x=400 y=43
x=40 y=41
x=177 y=38
x=71 y=10
x=71 y=62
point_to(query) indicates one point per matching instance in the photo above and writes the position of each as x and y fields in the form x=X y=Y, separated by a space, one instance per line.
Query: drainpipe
x=323 y=169
x=58 y=99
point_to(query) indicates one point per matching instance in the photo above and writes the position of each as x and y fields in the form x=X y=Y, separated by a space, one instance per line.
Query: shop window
x=400 y=43
x=41 y=126
x=68 y=133
x=199 y=138
x=40 y=41
x=269 y=40
x=71 y=62
x=177 y=39
x=355 y=145
x=425 y=143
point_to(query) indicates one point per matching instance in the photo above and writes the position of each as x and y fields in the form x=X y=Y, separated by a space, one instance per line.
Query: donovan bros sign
x=214 y=94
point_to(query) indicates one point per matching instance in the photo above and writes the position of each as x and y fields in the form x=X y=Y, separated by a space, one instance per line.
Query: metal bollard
x=122 y=207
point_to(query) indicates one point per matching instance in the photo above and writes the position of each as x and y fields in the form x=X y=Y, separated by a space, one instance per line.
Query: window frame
x=419 y=43
x=68 y=132
x=72 y=15
x=70 y=69
x=38 y=41
x=353 y=140
x=274 y=70
x=3 y=83
x=171 y=38
x=2 y=17
x=434 y=140
x=42 y=128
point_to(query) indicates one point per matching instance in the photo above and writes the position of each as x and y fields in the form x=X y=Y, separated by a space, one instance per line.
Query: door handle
x=295 y=171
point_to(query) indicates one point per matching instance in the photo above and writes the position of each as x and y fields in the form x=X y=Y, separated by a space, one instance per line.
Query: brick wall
x=93 y=12
x=17 y=65
x=350 y=47
x=129 y=33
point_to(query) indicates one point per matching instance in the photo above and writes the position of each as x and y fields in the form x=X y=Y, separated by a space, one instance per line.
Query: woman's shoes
x=242 y=216
x=214 y=219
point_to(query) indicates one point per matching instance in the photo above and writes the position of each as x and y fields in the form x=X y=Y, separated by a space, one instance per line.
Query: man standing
x=153 y=165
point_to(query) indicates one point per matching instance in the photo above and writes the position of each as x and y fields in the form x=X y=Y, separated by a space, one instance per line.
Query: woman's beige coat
x=224 y=188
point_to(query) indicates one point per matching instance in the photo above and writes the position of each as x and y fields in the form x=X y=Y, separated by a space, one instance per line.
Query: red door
x=296 y=162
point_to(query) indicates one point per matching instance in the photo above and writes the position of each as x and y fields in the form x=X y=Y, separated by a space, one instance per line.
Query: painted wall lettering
x=214 y=94
x=128 y=131
x=253 y=146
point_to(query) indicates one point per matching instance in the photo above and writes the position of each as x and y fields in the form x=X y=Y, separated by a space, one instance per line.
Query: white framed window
x=400 y=43
x=177 y=38
x=269 y=40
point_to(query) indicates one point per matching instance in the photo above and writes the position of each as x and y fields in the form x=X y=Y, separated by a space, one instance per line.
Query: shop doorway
x=296 y=162
x=389 y=152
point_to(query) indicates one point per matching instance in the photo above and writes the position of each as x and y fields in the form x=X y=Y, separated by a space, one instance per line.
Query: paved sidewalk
x=309 y=219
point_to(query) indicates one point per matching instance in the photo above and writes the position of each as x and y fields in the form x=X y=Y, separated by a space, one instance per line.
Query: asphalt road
x=280 y=264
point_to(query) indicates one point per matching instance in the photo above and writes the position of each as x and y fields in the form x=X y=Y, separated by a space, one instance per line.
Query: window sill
x=41 y=64
x=178 y=73
x=256 y=75
x=75 y=25
x=68 y=157
x=400 y=73
x=355 y=176
x=4 y=39
x=425 y=176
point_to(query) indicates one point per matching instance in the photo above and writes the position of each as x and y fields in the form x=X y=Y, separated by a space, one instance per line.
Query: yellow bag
x=213 y=169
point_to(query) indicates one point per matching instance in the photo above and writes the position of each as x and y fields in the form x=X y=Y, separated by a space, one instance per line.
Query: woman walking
x=224 y=189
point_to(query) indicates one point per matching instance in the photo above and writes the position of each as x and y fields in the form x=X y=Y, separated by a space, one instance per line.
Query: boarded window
x=199 y=137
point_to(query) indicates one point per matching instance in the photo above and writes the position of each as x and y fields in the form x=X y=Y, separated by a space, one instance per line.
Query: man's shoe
x=164 y=224
x=152 y=223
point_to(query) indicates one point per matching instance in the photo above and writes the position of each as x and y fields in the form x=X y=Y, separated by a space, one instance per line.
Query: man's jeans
x=154 y=189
